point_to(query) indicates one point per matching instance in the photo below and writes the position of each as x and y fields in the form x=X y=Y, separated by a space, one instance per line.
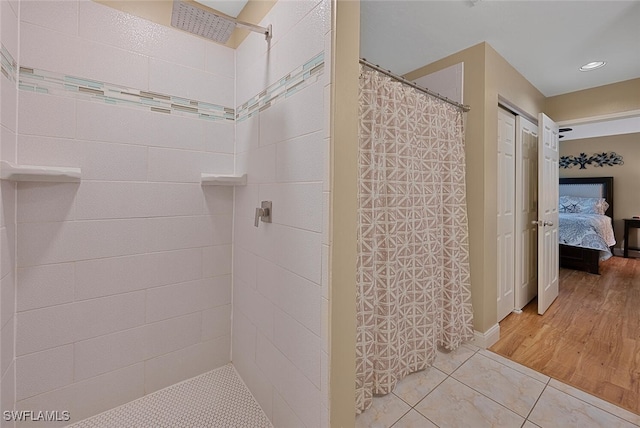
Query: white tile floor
x=476 y=388
x=469 y=387
x=216 y=399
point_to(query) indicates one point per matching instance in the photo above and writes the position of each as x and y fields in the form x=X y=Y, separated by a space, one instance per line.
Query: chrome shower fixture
x=202 y=21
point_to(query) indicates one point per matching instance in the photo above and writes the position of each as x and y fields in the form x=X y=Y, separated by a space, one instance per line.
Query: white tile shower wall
x=279 y=268
x=9 y=34
x=325 y=368
x=124 y=279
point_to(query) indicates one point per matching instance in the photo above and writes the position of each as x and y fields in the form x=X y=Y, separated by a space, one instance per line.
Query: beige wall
x=344 y=178
x=474 y=96
x=625 y=177
x=487 y=77
x=603 y=100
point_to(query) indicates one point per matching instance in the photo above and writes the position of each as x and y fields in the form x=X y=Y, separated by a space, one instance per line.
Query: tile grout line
x=516 y=364
x=594 y=405
x=547 y=384
x=536 y=403
x=403 y=415
x=526 y=418
x=486 y=396
x=448 y=375
x=434 y=388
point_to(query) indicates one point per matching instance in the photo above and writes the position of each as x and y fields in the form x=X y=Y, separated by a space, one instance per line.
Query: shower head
x=202 y=21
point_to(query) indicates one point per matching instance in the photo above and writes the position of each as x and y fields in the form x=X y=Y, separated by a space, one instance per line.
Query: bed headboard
x=589 y=187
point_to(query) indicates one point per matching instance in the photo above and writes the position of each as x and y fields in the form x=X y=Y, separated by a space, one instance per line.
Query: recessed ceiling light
x=592 y=65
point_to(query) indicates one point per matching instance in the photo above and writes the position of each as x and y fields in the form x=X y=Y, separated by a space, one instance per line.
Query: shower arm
x=268 y=32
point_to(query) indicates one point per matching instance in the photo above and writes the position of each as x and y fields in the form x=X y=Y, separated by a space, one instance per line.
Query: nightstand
x=629 y=223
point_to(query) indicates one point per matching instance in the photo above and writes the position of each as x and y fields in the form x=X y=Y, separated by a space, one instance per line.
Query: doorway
x=586 y=338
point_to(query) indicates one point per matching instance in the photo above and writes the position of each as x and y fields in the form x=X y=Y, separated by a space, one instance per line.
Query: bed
x=585 y=238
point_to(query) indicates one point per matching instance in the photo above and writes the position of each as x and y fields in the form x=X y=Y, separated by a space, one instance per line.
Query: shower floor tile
x=216 y=399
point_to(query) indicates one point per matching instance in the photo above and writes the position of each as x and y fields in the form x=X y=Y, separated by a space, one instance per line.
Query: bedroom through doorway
x=589 y=337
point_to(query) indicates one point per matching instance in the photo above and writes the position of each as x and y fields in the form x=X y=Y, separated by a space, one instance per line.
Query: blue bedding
x=587 y=231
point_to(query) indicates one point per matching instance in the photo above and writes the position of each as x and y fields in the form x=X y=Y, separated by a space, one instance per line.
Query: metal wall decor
x=596 y=159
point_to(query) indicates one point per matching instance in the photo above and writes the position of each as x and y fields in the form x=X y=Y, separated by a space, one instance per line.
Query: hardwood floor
x=590 y=336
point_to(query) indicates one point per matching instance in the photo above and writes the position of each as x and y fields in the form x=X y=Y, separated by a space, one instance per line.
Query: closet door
x=526 y=212
x=548 y=267
x=506 y=212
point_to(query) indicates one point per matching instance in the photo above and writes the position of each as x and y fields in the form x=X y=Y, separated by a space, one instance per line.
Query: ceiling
x=228 y=7
x=624 y=125
x=546 y=41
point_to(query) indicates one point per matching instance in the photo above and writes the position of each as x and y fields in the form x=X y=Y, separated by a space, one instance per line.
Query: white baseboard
x=620 y=252
x=488 y=338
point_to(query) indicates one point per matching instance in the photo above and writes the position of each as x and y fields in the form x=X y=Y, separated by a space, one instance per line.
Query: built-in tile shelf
x=224 y=180
x=52 y=174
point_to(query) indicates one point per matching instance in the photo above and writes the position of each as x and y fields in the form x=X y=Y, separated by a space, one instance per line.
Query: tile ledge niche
x=54 y=174
x=223 y=180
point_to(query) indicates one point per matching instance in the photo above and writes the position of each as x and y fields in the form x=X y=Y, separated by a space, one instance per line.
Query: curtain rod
x=401 y=79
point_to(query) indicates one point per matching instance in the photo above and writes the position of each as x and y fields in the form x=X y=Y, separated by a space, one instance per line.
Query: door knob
x=537 y=222
x=547 y=223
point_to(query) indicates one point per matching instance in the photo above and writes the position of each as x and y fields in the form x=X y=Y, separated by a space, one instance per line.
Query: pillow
x=575 y=204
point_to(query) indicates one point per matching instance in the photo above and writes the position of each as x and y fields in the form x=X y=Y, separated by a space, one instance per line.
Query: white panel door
x=506 y=212
x=547 y=223
x=526 y=248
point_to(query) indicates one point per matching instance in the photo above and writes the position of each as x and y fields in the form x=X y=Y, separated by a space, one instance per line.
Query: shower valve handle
x=259 y=214
x=263 y=213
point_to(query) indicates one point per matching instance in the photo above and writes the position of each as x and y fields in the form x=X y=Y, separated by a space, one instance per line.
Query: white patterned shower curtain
x=413 y=258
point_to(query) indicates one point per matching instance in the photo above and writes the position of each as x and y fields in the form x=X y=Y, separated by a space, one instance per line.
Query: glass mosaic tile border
x=7 y=64
x=48 y=82
x=293 y=82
